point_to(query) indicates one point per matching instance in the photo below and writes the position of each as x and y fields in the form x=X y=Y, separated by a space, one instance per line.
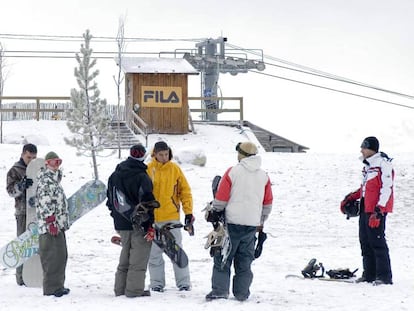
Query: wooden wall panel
x=163 y=120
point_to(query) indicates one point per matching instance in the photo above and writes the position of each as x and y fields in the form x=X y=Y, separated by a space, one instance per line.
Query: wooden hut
x=157 y=90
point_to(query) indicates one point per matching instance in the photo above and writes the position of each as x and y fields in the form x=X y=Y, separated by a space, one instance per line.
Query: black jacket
x=131 y=178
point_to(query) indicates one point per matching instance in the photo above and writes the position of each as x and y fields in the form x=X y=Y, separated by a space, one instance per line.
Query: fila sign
x=161 y=96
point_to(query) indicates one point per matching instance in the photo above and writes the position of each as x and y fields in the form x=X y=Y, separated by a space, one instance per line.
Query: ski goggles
x=54 y=162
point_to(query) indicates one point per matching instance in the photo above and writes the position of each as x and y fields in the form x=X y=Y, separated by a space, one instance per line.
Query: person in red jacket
x=376 y=201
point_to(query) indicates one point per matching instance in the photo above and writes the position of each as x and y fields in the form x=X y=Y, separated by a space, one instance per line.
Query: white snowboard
x=32 y=268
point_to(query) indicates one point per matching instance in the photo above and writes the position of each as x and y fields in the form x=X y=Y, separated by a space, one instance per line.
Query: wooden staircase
x=128 y=138
x=272 y=142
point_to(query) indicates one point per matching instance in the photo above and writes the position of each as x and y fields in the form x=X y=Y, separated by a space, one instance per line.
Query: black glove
x=188 y=224
x=262 y=236
x=214 y=216
x=24 y=183
x=151 y=204
x=32 y=202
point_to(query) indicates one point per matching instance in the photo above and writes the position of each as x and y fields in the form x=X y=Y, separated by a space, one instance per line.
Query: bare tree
x=88 y=119
x=120 y=40
x=2 y=81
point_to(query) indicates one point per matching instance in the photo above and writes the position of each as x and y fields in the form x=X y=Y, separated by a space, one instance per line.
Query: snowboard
x=322 y=278
x=218 y=240
x=165 y=240
x=316 y=271
x=32 y=269
x=19 y=250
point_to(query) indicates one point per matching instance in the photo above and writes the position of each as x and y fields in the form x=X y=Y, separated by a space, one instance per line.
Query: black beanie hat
x=137 y=152
x=371 y=143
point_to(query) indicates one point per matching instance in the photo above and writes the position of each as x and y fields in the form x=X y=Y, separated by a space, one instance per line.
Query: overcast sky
x=367 y=41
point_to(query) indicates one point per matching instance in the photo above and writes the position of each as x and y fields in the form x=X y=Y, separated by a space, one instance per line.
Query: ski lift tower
x=211 y=59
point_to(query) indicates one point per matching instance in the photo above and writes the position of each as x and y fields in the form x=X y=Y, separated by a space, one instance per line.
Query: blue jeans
x=242 y=255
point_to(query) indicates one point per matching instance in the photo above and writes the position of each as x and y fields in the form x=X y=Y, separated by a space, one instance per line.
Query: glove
x=374 y=220
x=150 y=234
x=24 y=183
x=51 y=225
x=214 y=216
x=188 y=224
x=344 y=202
x=32 y=202
x=262 y=236
x=116 y=240
x=151 y=204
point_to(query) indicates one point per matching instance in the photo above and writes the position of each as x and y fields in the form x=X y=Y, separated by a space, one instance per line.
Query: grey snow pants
x=133 y=261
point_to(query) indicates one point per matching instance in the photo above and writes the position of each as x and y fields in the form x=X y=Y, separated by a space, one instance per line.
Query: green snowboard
x=17 y=251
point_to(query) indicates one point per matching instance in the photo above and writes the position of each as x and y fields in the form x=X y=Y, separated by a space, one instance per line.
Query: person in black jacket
x=129 y=189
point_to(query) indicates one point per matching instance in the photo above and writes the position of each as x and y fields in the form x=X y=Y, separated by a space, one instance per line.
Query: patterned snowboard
x=32 y=268
x=16 y=252
x=166 y=241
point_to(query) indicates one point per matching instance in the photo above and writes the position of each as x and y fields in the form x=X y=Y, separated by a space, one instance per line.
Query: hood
x=252 y=163
x=131 y=167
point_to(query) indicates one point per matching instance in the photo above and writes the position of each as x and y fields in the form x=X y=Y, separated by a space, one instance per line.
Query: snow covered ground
x=305 y=223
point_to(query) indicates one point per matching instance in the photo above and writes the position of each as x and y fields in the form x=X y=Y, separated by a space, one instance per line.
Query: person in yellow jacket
x=171 y=189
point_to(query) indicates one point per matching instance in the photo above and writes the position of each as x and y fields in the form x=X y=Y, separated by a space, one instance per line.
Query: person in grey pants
x=128 y=188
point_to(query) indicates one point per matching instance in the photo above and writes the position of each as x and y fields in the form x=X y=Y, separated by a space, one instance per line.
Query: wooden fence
x=43 y=108
x=55 y=108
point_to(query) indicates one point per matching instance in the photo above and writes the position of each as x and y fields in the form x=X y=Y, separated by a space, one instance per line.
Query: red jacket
x=377 y=186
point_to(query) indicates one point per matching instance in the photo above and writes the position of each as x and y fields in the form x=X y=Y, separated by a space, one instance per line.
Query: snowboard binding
x=341 y=273
x=219 y=242
x=312 y=268
x=215 y=239
x=143 y=212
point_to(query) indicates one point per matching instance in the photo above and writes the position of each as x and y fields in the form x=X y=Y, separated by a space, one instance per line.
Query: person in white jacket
x=245 y=196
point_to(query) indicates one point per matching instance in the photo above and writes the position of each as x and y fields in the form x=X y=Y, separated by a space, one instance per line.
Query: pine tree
x=88 y=119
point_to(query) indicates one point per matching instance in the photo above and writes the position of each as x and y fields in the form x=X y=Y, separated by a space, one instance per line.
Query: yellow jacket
x=171 y=189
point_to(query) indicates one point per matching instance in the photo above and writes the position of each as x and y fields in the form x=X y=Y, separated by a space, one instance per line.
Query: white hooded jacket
x=245 y=193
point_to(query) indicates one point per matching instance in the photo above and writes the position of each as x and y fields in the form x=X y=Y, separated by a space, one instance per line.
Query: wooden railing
x=37 y=110
x=219 y=110
x=132 y=118
x=133 y=124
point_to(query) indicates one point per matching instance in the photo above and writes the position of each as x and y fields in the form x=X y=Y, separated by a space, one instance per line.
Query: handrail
x=138 y=129
x=219 y=110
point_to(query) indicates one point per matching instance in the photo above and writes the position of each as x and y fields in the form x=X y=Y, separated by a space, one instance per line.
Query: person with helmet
x=245 y=196
x=376 y=201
